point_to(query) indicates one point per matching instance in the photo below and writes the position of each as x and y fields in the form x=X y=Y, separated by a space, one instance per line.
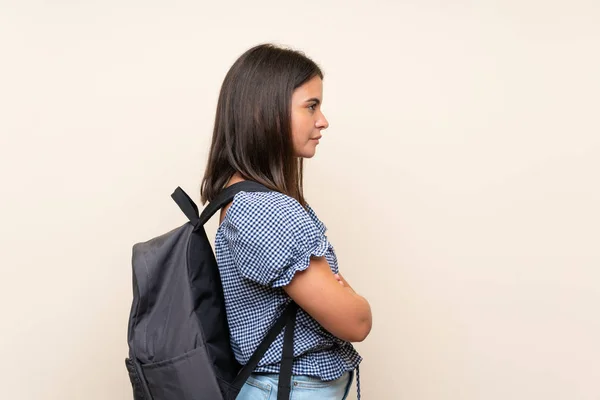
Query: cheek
x=308 y=126
x=301 y=129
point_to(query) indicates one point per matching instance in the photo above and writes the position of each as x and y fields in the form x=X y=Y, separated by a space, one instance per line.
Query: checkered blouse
x=264 y=239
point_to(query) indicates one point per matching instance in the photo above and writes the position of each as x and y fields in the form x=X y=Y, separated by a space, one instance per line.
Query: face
x=307 y=118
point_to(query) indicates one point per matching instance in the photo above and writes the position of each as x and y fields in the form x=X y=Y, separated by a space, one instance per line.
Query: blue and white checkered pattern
x=265 y=238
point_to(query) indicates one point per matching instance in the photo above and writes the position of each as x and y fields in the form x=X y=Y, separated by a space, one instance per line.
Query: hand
x=343 y=282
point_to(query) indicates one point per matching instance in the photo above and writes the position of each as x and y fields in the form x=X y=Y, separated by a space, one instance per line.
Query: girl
x=271 y=246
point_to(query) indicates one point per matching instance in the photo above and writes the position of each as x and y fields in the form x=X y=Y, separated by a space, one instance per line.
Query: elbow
x=362 y=330
x=363 y=324
x=361 y=327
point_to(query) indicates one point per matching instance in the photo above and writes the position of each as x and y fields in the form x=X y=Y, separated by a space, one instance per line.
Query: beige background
x=459 y=180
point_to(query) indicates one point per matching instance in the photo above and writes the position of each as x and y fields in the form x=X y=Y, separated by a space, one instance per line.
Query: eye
x=312 y=107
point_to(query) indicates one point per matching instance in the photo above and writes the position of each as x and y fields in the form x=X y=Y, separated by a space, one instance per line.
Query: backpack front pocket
x=186 y=377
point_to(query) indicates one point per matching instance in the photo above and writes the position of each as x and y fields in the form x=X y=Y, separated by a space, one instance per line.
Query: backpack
x=178 y=336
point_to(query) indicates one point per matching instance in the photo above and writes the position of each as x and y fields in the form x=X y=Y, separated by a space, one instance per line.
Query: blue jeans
x=264 y=387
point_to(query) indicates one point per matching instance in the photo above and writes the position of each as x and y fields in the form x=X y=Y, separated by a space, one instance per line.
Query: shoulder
x=271 y=236
x=271 y=214
x=275 y=204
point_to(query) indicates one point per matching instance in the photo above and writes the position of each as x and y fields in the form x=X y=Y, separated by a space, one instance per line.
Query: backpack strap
x=190 y=209
x=226 y=196
x=287 y=359
x=287 y=320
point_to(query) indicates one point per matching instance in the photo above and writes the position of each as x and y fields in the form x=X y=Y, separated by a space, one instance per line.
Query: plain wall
x=459 y=180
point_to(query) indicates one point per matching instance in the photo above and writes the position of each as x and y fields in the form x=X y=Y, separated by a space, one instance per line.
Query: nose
x=322 y=122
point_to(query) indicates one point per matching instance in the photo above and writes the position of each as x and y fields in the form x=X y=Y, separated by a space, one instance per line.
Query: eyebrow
x=314 y=99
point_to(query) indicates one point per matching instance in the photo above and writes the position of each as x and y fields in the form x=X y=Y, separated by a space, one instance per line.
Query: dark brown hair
x=253 y=132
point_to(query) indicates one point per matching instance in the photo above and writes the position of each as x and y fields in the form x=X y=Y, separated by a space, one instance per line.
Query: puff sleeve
x=271 y=237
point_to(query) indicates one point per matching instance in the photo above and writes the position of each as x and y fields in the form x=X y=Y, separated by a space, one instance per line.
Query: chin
x=308 y=154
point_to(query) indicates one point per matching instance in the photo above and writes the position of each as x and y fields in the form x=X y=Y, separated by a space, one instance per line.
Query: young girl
x=271 y=246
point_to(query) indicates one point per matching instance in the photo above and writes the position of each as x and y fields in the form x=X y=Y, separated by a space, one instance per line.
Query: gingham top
x=264 y=239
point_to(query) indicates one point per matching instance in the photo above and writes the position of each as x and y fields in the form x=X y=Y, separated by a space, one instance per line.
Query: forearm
x=363 y=309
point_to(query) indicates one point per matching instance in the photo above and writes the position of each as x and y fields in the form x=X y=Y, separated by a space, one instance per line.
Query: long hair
x=253 y=132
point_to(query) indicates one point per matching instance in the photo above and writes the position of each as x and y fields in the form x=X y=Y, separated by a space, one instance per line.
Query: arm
x=333 y=305
x=342 y=281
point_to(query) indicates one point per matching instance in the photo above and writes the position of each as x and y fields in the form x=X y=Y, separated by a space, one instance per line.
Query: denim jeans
x=264 y=387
